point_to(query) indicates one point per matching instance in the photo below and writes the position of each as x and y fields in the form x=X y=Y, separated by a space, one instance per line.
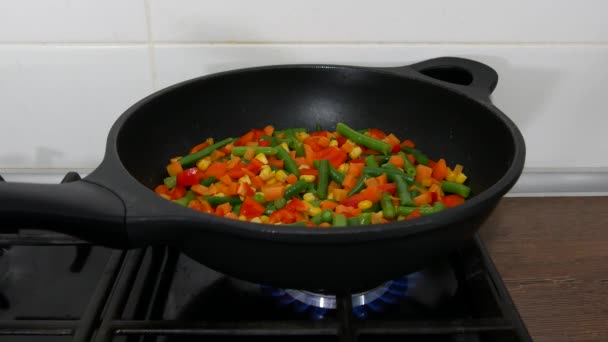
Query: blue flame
x=393 y=292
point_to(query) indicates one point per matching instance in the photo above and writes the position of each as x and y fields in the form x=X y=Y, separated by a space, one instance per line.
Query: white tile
x=72 y=21
x=554 y=94
x=58 y=103
x=379 y=21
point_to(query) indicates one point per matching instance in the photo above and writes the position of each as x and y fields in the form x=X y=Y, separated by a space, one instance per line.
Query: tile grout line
x=151 y=52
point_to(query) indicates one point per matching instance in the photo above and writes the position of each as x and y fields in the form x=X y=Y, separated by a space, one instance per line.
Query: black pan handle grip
x=471 y=76
x=76 y=207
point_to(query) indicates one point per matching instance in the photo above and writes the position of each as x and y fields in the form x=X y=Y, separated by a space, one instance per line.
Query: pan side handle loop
x=75 y=207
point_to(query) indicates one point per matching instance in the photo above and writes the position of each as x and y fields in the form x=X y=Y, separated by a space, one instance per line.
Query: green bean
x=186 y=199
x=336 y=175
x=415 y=193
x=310 y=187
x=288 y=163
x=424 y=209
x=420 y=157
x=170 y=182
x=236 y=208
x=340 y=221
x=405 y=198
x=405 y=211
x=217 y=200
x=388 y=209
x=456 y=188
x=371 y=161
x=295 y=143
x=353 y=221
x=377 y=171
x=295 y=130
x=295 y=189
x=323 y=180
x=316 y=203
x=362 y=139
x=208 y=181
x=270 y=208
x=360 y=185
x=192 y=158
x=317 y=219
x=280 y=203
x=327 y=215
x=240 y=151
x=365 y=218
x=409 y=168
x=374 y=208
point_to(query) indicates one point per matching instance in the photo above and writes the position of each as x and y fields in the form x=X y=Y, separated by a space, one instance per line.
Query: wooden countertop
x=552 y=254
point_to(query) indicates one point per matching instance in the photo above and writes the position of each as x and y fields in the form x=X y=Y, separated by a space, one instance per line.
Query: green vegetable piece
x=456 y=188
x=374 y=208
x=420 y=157
x=323 y=180
x=389 y=170
x=240 y=151
x=259 y=197
x=371 y=161
x=404 y=211
x=362 y=139
x=194 y=157
x=340 y=220
x=217 y=200
x=327 y=215
x=236 y=208
x=288 y=163
x=336 y=175
x=295 y=189
x=270 y=208
x=184 y=201
x=208 y=181
x=409 y=168
x=353 y=221
x=280 y=203
x=317 y=219
x=294 y=142
x=365 y=218
x=170 y=182
x=405 y=198
x=388 y=209
x=299 y=224
x=360 y=185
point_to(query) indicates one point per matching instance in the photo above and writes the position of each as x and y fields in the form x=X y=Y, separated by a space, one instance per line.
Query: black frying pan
x=442 y=104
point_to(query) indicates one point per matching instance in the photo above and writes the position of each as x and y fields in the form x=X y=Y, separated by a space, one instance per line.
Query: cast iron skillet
x=442 y=104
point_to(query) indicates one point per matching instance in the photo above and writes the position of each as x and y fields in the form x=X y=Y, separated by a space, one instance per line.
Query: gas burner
x=365 y=303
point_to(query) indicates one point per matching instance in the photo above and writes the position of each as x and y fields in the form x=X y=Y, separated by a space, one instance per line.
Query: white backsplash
x=68 y=69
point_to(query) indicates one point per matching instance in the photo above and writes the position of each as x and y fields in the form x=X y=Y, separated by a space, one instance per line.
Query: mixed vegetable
x=342 y=178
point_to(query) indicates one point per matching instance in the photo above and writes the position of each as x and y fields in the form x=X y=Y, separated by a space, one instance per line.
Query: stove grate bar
x=37 y=327
x=434 y=327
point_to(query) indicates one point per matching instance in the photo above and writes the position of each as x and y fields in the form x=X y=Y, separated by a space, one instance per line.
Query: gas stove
x=54 y=287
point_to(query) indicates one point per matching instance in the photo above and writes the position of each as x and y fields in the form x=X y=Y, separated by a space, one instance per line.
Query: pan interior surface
x=444 y=124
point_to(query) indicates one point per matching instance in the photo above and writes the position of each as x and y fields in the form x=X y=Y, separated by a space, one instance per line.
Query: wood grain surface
x=552 y=254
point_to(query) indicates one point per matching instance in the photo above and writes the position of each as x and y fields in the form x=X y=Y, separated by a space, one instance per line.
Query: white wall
x=68 y=69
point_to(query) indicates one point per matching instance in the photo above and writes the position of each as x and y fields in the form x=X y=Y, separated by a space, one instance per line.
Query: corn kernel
x=285 y=146
x=203 y=164
x=303 y=166
x=355 y=153
x=242 y=218
x=256 y=220
x=271 y=181
x=281 y=176
x=264 y=219
x=308 y=178
x=262 y=157
x=220 y=194
x=266 y=172
x=245 y=179
x=458 y=168
x=309 y=197
x=451 y=176
x=165 y=196
x=427 y=182
x=210 y=141
x=330 y=196
x=343 y=168
x=366 y=204
x=313 y=211
x=301 y=136
x=333 y=143
x=461 y=178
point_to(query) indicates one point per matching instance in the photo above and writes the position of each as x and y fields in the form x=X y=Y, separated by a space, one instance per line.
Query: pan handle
x=473 y=77
x=75 y=207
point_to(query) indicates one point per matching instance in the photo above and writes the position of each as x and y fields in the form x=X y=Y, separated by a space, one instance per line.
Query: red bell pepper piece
x=335 y=156
x=189 y=177
x=251 y=208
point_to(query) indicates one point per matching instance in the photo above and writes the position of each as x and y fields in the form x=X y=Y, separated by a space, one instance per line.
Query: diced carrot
x=313 y=172
x=411 y=158
x=292 y=179
x=413 y=214
x=231 y=189
x=199 y=147
x=309 y=155
x=397 y=161
x=244 y=189
x=199 y=189
x=349 y=181
x=292 y=154
x=249 y=153
x=339 y=194
x=392 y=140
x=332 y=185
x=348 y=146
x=276 y=162
x=273 y=191
x=216 y=169
x=201 y=205
x=328 y=205
x=372 y=194
x=269 y=130
x=325 y=224
x=355 y=169
x=233 y=162
x=432 y=163
x=371 y=182
x=257 y=182
x=237 y=172
x=227 y=149
x=162 y=190
x=382 y=179
x=223 y=209
x=440 y=170
x=408 y=143
x=174 y=168
x=231 y=215
x=216 y=155
x=423 y=172
x=226 y=179
x=423 y=199
x=301 y=161
x=376 y=133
